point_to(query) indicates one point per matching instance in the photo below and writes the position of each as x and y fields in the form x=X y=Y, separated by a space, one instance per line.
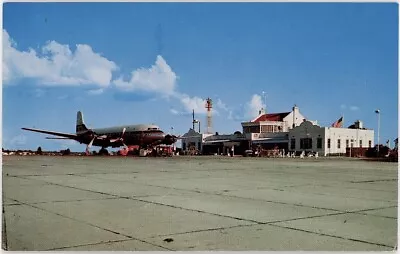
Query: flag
x=338 y=123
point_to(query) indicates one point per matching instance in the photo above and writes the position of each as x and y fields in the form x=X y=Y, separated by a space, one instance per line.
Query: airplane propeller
x=120 y=139
x=90 y=145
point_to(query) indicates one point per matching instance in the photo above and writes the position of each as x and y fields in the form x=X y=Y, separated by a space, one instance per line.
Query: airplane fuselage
x=140 y=134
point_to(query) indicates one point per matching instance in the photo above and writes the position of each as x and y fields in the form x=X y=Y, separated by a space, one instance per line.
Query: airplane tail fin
x=80 y=125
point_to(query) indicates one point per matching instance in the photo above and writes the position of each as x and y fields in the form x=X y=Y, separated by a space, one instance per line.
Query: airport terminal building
x=271 y=130
x=286 y=131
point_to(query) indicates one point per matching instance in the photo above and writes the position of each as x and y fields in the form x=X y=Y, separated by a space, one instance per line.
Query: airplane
x=142 y=135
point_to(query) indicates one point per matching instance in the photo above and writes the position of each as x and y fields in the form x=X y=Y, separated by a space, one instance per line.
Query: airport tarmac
x=198 y=203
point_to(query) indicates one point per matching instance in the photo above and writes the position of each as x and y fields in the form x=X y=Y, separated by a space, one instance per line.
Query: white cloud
x=159 y=78
x=18 y=140
x=56 y=65
x=62 y=97
x=174 y=111
x=253 y=107
x=39 y=93
x=192 y=103
x=195 y=103
x=354 y=108
x=96 y=91
x=221 y=105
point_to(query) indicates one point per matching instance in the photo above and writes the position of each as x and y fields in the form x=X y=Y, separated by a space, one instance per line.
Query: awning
x=269 y=141
x=215 y=141
x=232 y=143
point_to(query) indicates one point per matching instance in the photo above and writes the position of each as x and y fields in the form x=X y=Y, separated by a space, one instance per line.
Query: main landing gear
x=102 y=151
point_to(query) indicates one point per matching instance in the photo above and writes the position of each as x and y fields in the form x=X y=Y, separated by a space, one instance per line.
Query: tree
x=66 y=152
x=39 y=151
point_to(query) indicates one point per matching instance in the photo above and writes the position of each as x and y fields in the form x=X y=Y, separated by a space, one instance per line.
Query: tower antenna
x=193 y=119
x=209 y=115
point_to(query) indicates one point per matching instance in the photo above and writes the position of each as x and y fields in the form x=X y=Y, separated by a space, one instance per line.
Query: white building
x=310 y=137
x=193 y=141
x=272 y=129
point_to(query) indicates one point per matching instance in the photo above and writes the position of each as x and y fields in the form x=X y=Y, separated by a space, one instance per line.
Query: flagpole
x=342 y=120
x=379 y=123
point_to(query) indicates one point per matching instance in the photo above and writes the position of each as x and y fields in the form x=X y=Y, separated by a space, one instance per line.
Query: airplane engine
x=114 y=145
x=170 y=139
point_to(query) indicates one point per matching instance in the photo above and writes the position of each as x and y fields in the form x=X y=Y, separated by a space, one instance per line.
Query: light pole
x=198 y=122
x=173 y=144
x=379 y=124
x=265 y=101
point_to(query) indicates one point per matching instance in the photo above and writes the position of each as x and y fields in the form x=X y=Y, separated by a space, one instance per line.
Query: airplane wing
x=65 y=135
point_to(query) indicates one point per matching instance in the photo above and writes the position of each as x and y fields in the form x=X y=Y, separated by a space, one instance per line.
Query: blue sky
x=127 y=63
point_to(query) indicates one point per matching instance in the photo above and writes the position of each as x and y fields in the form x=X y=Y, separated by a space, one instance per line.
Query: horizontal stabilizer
x=56 y=138
x=65 y=135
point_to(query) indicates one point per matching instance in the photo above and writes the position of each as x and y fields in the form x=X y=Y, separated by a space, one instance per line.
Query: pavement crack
x=93 y=225
x=304 y=218
x=192 y=210
x=335 y=236
x=89 y=244
x=373 y=181
x=104 y=242
x=206 y=230
x=4 y=235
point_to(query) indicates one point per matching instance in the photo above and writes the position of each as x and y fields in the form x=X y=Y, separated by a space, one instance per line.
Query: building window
x=369 y=144
x=305 y=143
x=360 y=143
x=251 y=129
x=319 y=142
x=329 y=143
x=255 y=129
x=183 y=146
x=267 y=128
x=347 y=143
x=293 y=144
x=338 y=143
x=199 y=146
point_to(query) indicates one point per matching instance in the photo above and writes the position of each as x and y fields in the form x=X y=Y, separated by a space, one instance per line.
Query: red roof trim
x=278 y=117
